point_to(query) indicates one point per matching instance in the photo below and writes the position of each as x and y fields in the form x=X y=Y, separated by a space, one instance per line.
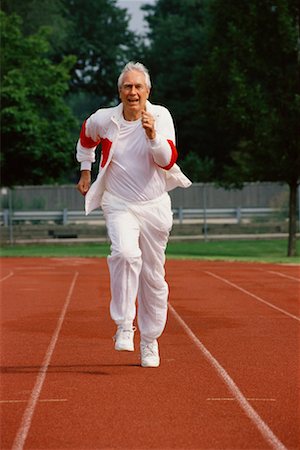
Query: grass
x=272 y=250
x=56 y=250
x=245 y=250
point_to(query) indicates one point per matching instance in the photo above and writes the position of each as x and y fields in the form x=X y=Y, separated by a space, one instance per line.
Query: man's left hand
x=148 y=124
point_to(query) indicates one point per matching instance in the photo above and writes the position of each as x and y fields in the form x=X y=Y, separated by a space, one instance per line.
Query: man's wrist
x=155 y=142
x=86 y=165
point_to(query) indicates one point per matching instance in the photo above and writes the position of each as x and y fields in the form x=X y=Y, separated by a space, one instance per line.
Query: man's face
x=134 y=94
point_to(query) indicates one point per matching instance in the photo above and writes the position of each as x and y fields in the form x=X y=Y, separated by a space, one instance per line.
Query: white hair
x=139 y=68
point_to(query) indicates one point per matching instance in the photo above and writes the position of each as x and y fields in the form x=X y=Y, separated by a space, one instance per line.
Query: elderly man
x=137 y=168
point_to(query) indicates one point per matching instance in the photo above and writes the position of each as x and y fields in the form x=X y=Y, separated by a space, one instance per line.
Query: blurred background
x=229 y=72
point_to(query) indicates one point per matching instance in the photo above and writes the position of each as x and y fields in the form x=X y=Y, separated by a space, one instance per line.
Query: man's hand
x=84 y=182
x=148 y=124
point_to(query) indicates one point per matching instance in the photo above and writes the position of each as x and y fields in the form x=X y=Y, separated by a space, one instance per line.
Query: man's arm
x=85 y=153
x=161 y=137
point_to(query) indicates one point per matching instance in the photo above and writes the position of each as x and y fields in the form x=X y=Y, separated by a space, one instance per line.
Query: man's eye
x=138 y=87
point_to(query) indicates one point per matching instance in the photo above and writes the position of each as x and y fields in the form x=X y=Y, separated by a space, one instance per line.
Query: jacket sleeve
x=163 y=147
x=87 y=143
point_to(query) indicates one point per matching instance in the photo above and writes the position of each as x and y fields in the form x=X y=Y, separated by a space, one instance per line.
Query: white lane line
x=34 y=397
x=45 y=400
x=6 y=277
x=262 y=427
x=254 y=296
x=284 y=275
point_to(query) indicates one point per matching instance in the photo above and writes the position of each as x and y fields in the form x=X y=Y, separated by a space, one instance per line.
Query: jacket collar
x=118 y=111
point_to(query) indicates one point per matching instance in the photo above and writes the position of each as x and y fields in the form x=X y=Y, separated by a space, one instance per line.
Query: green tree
x=175 y=47
x=95 y=32
x=36 y=125
x=249 y=94
x=42 y=13
x=102 y=42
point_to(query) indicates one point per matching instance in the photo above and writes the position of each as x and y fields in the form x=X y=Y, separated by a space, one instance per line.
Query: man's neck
x=132 y=115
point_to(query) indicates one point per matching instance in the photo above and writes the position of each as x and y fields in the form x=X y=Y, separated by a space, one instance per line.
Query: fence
x=198 y=196
x=59 y=210
x=182 y=215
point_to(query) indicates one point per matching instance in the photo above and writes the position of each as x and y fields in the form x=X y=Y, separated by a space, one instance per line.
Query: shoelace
x=149 y=350
x=127 y=335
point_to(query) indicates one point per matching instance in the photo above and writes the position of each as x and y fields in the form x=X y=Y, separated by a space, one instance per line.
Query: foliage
x=174 y=50
x=230 y=73
x=102 y=42
x=199 y=169
x=95 y=32
x=42 y=13
x=36 y=125
x=57 y=45
x=249 y=91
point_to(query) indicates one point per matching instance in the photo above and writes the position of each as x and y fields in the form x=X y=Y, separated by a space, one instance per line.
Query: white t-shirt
x=132 y=173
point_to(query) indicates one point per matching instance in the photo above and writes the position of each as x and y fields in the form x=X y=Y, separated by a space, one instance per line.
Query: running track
x=229 y=376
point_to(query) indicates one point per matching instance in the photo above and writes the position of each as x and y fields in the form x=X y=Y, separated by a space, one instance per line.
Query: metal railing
x=66 y=217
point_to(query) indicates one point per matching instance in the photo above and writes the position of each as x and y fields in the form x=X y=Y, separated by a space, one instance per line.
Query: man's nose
x=133 y=90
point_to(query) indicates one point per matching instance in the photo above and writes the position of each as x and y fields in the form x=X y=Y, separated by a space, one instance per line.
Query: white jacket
x=103 y=126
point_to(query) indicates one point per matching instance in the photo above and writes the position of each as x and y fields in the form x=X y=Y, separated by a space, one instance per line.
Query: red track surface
x=229 y=374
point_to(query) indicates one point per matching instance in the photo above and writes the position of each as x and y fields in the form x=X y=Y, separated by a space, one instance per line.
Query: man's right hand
x=84 y=182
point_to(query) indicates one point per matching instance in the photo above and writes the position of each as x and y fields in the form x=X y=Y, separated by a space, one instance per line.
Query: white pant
x=139 y=233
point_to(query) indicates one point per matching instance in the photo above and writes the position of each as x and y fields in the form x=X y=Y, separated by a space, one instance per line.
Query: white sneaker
x=124 y=339
x=149 y=354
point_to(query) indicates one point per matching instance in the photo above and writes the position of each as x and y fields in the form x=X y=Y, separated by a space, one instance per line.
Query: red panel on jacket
x=86 y=141
x=174 y=156
x=106 y=144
